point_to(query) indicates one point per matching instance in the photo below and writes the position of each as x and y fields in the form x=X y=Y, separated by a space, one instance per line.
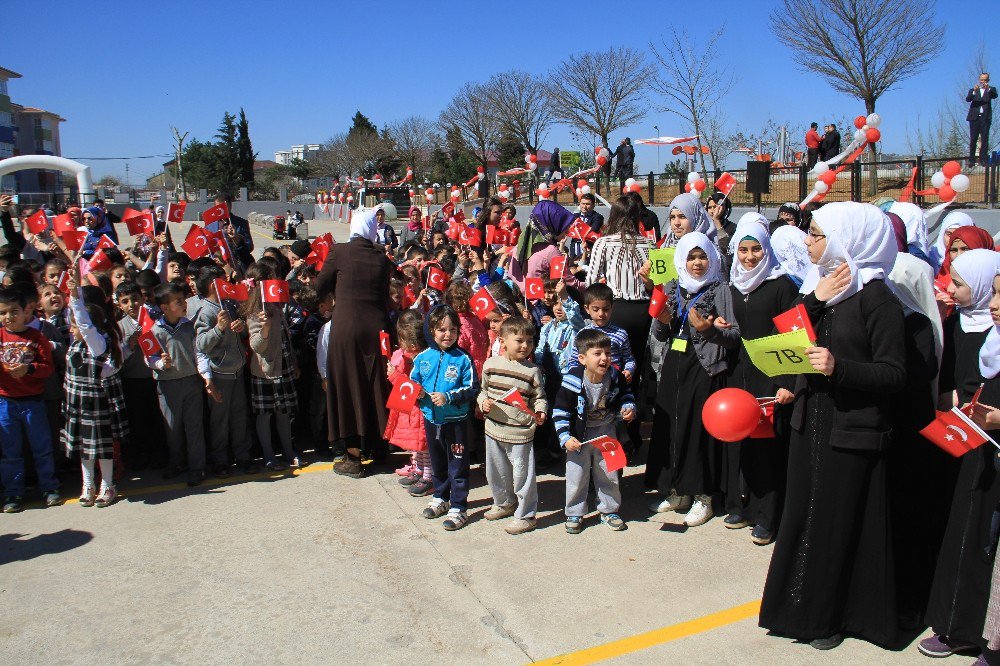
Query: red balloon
x=730 y=414
x=946 y=193
x=532 y=158
x=828 y=177
x=636 y=187
x=873 y=135
x=687 y=187
x=951 y=169
x=860 y=121
x=699 y=185
x=602 y=160
x=581 y=182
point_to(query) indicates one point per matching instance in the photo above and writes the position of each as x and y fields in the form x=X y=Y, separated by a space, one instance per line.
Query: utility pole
x=179 y=139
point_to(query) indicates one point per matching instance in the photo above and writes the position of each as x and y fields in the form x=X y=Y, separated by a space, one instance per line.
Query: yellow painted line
x=657 y=636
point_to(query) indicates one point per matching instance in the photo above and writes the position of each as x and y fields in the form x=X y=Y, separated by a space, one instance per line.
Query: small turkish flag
x=482 y=303
x=229 y=291
x=63 y=223
x=657 y=301
x=105 y=242
x=74 y=239
x=196 y=243
x=215 y=214
x=324 y=241
x=514 y=235
x=149 y=345
x=507 y=223
x=145 y=321
x=409 y=298
x=62 y=282
x=437 y=278
x=534 y=288
x=448 y=210
x=37 y=223
x=175 y=211
x=453 y=231
x=954 y=432
x=496 y=236
x=648 y=233
x=403 y=396
x=514 y=398
x=458 y=217
x=611 y=450
x=579 y=230
x=765 y=427
x=557 y=268
x=384 y=344
x=98 y=262
x=794 y=320
x=470 y=236
x=725 y=183
x=275 y=291
x=139 y=223
x=317 y=256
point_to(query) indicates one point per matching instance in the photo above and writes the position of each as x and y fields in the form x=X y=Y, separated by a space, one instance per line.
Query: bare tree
x=473 y=116
x=598 y=93
x=721 y=143
x=415 y=138
x=352 y=154
x=690 y=80
x=522 y=107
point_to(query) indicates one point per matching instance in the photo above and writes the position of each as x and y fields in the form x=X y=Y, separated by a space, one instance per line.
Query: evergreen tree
x=510 y=152
x=227 y=174
x=245 y=151
x=360 y=124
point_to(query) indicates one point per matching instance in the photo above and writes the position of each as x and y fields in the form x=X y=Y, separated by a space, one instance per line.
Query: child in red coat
x=407 y=430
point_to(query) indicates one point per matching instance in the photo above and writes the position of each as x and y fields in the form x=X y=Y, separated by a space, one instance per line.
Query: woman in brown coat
x=357 y=272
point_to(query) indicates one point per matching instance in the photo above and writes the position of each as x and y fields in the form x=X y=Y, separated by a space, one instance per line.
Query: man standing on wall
x=980 y=99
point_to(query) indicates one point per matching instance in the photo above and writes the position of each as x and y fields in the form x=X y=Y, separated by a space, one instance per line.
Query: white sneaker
x=436 y=508
x=673 y=503
x=700 y=513
x=455 y=520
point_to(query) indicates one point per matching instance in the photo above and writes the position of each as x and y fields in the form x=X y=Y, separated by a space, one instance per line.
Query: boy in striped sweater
x=513 y=400
x=598 y=299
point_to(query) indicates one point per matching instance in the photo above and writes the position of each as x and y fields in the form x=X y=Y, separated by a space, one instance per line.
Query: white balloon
x=821 y=187
x=859 y=135
x=874 y=120
x=586 y=188
x=629 y=182
x=937 y=180
x=578 y=193
x=605 y=153
x=504 y=194
x=960 y=183
x=693 y=177
x=821 y=168
x=532 y=166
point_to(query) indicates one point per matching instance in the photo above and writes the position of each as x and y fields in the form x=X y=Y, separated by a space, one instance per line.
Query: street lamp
x=657 y=128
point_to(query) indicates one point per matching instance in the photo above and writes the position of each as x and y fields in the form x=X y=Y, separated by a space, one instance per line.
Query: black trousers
x=812 y=156
x=979 y=129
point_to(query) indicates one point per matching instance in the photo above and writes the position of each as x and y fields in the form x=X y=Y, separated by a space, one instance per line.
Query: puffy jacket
x=474 y=339
x=448 y=371
x=405 y=430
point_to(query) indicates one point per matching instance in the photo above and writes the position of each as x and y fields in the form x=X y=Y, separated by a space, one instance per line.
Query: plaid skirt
x=95 y=416
x=269 y=396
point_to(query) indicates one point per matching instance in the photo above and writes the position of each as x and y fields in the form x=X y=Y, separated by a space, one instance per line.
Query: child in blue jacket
x=449 y=386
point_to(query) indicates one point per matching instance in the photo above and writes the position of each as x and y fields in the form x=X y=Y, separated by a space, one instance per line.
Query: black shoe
x=410 y=479
x=171 y=472
x=422 y=488
x=349 y=466
x=761 y=535
x=827 y=643
x=196 y=478
x=248 y=467
x=221 y=471
x=275 y=466
x=735 y=521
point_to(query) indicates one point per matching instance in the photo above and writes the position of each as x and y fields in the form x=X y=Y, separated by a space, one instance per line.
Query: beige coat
x=266 y=359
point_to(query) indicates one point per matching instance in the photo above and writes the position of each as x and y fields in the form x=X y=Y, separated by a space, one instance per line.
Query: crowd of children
x=504 y=353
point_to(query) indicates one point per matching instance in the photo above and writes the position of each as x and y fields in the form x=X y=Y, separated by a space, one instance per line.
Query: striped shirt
x=507 y=423
x=613 y=261
x=621 y=348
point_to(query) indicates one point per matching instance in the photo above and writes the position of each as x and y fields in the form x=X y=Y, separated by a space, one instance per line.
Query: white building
x=300 y=152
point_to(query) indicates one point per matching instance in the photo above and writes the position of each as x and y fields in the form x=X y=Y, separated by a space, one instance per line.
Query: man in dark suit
x=830 y=146
x=980 y=116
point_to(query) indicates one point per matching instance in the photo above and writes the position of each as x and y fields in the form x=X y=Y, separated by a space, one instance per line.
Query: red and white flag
x=384 y=344
x=216 y=213
x=482 y=303
x=611 y=450
x=794 y=320
x=725 y=183
x=140 y=222
x=175 y=211
x=63 y=223
x=496 y=236
x=408 y=298
x=657 y=301
x=149 y=345
x=145 y=321
x=403 y=396
x=98 y=261
x=453 y=231
x=514 y=398
x=196 y=244
x=275 y=291
x=557 y=267
x=232 y=292
x=437 y=278
x=534 y=288
x=955 y=432
x=37 y=223
x=470 y=236
x=63 y=282
x=105 y=242
x=579 y=230
x=648 y=233
x=74 y=239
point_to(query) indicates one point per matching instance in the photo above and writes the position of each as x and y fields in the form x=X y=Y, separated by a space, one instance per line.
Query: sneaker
x=761 y=536
x=614 y=521
x=52 y=498
x=735 y=521
x=436 y=508
x=406 y=470
x=673 y=503
x=410 y=479
x=13 y=504
x=221 y=471
x=87 y=497
x=700 y=513
x=940 y=646
x=248 y=467
x=520 y=526
x=195 y=478
x=455 y=521
x=496 y=512
x=827 y=643
x=574 y=524
x=107 y=498
x=349 y=466
x=422 y=488
x=275 y=466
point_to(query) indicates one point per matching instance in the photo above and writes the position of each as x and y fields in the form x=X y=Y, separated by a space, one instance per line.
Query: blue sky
x=301 y=69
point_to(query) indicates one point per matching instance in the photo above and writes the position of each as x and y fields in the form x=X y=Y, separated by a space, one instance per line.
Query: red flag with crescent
x=275 y=291
x=196 y=244
x=149 y=345
x=403 y=396
x=482 y=303
x=955 y=432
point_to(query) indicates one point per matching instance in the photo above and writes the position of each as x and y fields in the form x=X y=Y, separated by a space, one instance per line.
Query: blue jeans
x=20 y=419
x=449 y=462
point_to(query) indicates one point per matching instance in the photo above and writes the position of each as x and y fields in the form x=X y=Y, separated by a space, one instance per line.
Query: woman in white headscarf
x=952 y=221
x=916 y=228
x=761 y=291
x=959 y=593
x=357 y=273
x=687 y=215
x=832 y=568
x=987 y=417
x=696 y=357
x=789 y=245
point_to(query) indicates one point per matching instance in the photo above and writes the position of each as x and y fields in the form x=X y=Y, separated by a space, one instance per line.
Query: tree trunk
x=873 y=170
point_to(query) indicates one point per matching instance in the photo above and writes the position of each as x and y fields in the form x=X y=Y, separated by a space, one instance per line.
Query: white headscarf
x=912 y=281
x=365 y=226
x=789 y=245
x=754 y=225
x=859 y=235
x=952 y=221
x=688 y=242
x=977 y=268
x=916 y=225
x=696 y=214
x=989 y=354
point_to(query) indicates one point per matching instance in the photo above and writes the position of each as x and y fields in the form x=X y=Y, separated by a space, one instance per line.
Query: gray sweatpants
x=182 y=404
x=227 y=420
x=579 y=467
x=510 y=471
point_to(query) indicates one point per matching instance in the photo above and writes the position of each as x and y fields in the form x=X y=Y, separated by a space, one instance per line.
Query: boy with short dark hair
x=592 y=397
x=27 y=361
x=598 y=301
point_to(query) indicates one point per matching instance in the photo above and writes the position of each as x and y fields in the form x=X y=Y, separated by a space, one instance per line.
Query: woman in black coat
x=832 y=568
